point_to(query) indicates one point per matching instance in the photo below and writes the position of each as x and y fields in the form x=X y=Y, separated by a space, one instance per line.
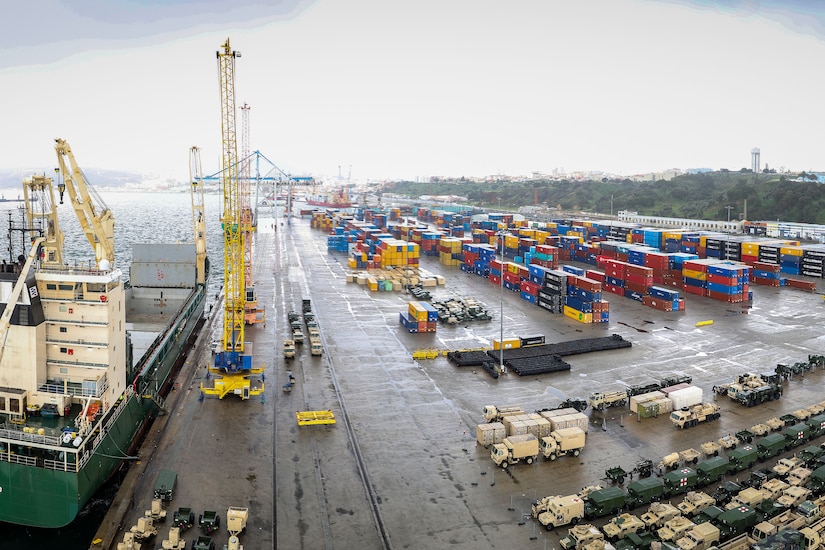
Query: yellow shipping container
x=372 y=284
x=694 y=274
x=511 y=241
x=509 y=343
x=513 y=267
x=578 y=315
x=352 y=263
x=675 y=235
x=750 y=249
x=790 y=250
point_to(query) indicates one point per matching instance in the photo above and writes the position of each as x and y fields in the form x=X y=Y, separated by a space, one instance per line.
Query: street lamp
x=500 y=237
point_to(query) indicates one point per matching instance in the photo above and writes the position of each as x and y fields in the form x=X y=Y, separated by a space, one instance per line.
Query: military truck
x=621 y=525
x=793 y=496
x=658 y=513
x=674 y=529
x=773 y=488
x=562 y=511
x=785 y=465
x=609 y=500
x=695 y=502
x=236 y=518
x=156 y=511
x=289 y=349
x=580 y=535
x=642 y=540
x=701 y=537
x=680 y=481
x=810 y=455
x=144 y=530
x=514 y=449
x=771 y=445
x=726 y=491
x=735 y=521
x=790 y=539
x=817 y=481
x=748 y=497
x=796 y=435
x=742 y=458
x=644 y=491
x=165 y=485
x=497 y=414
x=688 y=417
x=604 y=400
x=562 y=442
x=799 y=476
x=174 y=541
x=315 y=346
x=541 y=504
x=712 y=469
x=708 y=515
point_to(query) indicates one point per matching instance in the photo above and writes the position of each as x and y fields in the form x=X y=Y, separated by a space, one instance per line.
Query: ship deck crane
x=96 y=219
x=41 y=214
x=233 y=366
x=17 y=290
x=198 y=216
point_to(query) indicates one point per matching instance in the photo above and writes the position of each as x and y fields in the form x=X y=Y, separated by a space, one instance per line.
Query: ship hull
x=50 y=497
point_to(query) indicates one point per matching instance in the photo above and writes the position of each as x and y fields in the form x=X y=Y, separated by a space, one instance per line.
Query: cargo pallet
x=311 y=418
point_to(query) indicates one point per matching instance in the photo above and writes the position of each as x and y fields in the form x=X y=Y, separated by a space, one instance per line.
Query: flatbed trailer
x=310 y=418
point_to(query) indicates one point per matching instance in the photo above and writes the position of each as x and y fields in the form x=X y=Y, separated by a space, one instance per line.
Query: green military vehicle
x=165 y=485
x=796 y=435
x=644 y=491
x=607 y=501
x=711 y=470
x=735 y=521
x=742 y=458
x=680 y=481
x=770 y=446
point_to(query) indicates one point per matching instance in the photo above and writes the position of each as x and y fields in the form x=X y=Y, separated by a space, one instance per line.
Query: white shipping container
x=490 y=434
x=669 y=389
x=686 y=397
x=643 y=398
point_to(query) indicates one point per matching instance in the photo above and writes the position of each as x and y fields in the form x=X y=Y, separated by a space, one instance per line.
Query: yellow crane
x=96 y=219
x=232 y=366
x=41 y=212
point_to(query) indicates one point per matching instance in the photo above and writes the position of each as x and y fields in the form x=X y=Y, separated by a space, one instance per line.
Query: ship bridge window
x=14 y=405
x=65 y=287
x=3 y=403
x=51 y=286
x=96 y=287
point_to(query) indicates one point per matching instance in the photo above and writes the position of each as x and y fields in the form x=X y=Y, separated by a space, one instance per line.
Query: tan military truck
x=562 y=511
x=785 y=465
x=658 y=513
x=289 y=349
x=793 y=496
x=514 y=449
x=746 y=497
x=695 y=502
x=497 y=414
x=562 y=442
x=773 y=488
x=701 y=537
x=799 y=476
x=580 y=535
x=621 y=525
x=674 y=529
x=315 y=346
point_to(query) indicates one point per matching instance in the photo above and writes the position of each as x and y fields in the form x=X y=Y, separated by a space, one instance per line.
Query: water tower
x=755 y=160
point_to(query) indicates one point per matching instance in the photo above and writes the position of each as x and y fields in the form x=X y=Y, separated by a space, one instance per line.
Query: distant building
x=755 y=160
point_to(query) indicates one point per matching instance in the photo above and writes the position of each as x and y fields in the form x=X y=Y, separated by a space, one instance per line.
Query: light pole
x=729 y=209
x=500 y=237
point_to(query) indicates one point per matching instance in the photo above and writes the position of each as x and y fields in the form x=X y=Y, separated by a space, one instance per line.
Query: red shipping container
x=614 y=289
x=695 y=266
x=802 y=285
x=656 y=260
x=638 y=270
x=495 y=279
x=730 y=298
x=639 y=280
x=696 y=290
x=529 y=287
x=764 y=281
x=657 y=303
x=763 y=266
x=601 y=306
x=594 y=275
x=511 y=277
x=748 y=259
x=636 y=287
x=722 y=280
x=496 y=264
x=584 y=283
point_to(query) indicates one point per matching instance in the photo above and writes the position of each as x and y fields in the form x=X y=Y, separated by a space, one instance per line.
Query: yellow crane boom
x=96 y=220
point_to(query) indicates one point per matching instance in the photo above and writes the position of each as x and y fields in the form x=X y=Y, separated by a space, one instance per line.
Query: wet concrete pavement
x=400 y=468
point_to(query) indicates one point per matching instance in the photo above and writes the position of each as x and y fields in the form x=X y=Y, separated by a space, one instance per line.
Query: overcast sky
x=400 y=89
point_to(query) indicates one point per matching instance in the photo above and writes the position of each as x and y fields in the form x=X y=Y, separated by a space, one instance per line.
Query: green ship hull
x=50 y=493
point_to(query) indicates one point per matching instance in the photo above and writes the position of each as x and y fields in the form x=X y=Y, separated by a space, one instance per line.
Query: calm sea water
x=139 y=218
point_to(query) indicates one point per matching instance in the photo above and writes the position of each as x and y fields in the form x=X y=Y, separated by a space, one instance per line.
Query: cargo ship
x=85 y=363
x=338 y=199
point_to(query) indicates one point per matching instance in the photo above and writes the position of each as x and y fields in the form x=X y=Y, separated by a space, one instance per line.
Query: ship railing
x=121 y=406
x=19 y=435
x=75 y=391
x=19 y=459
x=62 y=465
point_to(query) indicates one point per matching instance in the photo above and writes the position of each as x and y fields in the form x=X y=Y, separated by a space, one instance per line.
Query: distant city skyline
x=388 y=90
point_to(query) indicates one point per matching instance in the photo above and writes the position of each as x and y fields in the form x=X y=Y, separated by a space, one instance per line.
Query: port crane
x=233 y=364
x=96 y=219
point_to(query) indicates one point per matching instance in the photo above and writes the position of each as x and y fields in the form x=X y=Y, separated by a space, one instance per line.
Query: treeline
x=703 y=196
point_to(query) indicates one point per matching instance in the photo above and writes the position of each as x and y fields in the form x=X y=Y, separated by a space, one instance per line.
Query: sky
x=390 y=89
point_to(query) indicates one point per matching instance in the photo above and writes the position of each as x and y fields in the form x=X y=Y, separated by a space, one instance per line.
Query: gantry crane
x=96 y=220
x=233 y=366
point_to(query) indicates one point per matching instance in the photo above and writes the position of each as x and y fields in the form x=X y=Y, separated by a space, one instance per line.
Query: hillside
x=704 y=196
